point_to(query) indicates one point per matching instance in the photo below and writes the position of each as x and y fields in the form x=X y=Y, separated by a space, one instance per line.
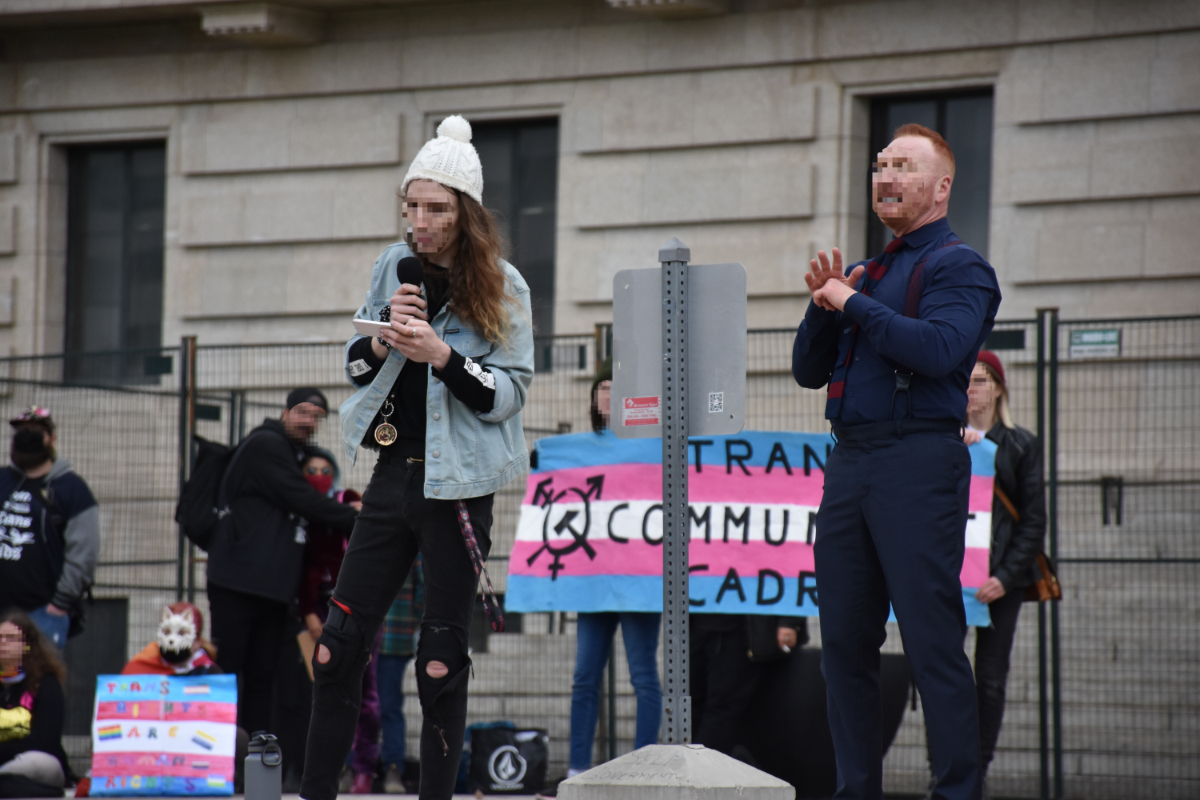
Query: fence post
x=677 y=706
x=604 y=339
x=187 y=430
x=612 y=700
x=1043 y=700
x=1052 y=519
x=237 y=416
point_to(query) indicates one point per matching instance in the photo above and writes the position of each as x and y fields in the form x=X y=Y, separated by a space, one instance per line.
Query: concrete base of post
x=675 y=772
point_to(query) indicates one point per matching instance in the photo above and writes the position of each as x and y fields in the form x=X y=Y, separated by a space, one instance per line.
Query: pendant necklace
x=385 y=434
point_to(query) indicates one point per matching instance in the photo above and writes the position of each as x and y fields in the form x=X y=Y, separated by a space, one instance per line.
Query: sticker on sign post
x=641 y=411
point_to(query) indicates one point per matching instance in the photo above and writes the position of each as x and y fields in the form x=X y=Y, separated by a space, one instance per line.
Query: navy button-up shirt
x=959 y=300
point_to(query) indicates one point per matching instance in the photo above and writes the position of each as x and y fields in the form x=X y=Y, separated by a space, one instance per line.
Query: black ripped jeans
x=396 y=522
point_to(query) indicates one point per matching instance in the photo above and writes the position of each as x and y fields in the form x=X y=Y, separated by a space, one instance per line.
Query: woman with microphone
x=440 y=397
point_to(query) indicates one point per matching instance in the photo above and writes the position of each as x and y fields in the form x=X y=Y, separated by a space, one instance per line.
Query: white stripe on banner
x=717 y=522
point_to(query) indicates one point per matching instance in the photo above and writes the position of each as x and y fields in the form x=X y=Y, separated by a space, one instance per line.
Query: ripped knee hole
x=436 y=669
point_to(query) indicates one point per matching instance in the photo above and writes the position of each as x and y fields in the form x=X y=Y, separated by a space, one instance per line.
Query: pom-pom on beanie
x=449 y=159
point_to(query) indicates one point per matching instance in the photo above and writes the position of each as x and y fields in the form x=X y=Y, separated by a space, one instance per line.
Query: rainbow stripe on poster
x=590 y=531
x=154 y=735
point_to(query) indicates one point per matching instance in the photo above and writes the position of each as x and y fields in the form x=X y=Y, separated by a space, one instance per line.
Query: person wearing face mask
x=256 y=555
x=32 y=709
x=440 y=393
x=179 y=648
x=323 y=554
x=49 y=529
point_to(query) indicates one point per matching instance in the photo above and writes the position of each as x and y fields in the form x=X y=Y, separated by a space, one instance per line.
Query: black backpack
x=202 y=504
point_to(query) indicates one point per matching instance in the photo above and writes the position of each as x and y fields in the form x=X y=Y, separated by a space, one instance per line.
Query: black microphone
x=409 y=270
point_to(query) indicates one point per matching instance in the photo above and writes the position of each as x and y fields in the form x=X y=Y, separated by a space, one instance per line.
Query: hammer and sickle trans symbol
x=544 y=494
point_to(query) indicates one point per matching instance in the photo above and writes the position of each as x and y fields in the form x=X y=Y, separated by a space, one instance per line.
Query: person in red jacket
x=180 y=648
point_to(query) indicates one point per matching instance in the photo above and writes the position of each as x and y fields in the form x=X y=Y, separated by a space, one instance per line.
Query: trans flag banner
x=158 y=735
x=590 y=531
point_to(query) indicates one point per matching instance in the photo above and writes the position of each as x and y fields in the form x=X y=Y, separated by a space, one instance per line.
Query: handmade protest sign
x=590 y=531
x=163 y=735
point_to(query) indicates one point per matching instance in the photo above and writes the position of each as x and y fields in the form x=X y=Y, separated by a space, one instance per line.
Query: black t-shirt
x=475 y=387
x=33 y=517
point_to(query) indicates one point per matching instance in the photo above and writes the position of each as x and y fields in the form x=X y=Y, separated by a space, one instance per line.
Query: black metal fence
x=1103 y=694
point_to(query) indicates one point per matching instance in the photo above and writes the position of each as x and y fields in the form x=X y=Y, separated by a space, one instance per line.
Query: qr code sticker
x=716 y=402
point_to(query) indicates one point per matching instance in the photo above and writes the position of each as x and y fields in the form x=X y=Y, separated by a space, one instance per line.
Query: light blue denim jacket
x=467 y=453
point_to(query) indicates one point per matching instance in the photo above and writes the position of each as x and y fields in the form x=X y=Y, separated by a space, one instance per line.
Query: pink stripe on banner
x=202 y=712
x=644 y=482
x=639 y=558
x=135 y=710
x=981 y=494
x=152 y=764
x=975 y=567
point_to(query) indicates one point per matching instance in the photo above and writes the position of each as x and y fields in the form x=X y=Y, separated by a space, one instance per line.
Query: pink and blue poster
x=162 y=735
x=590 y=530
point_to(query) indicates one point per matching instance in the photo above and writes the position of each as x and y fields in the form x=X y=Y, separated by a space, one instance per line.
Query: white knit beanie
x=449 y=159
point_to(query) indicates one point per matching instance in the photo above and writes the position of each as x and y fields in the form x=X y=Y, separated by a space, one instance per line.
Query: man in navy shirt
x=894 y=340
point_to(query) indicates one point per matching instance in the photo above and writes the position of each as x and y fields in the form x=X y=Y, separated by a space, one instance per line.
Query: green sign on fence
x=1099 y=343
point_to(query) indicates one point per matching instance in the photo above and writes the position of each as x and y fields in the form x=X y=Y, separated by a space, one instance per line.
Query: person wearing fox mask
x=179 y=648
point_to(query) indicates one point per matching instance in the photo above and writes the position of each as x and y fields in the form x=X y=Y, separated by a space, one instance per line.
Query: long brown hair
x=39 y=660
x=477 y=283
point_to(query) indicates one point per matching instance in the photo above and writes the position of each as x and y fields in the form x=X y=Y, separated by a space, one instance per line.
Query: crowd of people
x=360 y=585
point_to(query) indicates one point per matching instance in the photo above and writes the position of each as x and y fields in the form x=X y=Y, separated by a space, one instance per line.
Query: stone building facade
x=742 y=127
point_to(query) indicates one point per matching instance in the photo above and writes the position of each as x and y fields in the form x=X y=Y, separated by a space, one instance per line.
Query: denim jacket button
x=437 y=490
x=437 y=415
x=437 y=453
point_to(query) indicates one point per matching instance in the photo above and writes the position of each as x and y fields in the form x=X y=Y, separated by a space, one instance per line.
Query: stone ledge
x=675 y=772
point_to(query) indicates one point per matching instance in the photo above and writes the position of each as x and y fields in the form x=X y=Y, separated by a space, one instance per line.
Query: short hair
x=939 y=144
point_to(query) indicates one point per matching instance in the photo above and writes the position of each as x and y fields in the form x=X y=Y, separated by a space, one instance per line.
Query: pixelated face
x=432 y=214
x=905 y=179
x=604 y=399
x=176 y=632
x=982 y=392
x=302 y=421
x=12 y=643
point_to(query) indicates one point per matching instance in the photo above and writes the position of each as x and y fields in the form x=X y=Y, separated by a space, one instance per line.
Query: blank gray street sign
x=715 y=347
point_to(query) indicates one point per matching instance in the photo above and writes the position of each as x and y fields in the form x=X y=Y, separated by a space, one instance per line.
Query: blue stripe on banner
x=160 y=786
x=753 y=448
x=978 y=615
x=168 y=688
x=528 y=595
x=983 y=458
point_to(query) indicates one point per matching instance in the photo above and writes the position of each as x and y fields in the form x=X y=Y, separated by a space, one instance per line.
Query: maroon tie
x=879 y=265
x=876 y=269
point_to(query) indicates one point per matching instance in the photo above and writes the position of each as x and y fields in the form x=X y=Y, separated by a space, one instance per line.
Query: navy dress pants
x=890 y=528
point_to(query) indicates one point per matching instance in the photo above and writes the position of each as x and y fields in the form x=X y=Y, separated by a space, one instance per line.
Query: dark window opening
x=115 y=205
x=520 y=181
x=964 y=119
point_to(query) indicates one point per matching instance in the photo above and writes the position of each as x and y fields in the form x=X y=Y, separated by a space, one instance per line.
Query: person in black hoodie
x=32 y=760
x=257 y=553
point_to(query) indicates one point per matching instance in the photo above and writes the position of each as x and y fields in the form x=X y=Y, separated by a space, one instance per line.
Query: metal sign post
x=677 y=701
x=679 y=369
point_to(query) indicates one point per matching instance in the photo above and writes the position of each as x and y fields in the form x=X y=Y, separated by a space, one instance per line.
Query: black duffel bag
x=507 y=761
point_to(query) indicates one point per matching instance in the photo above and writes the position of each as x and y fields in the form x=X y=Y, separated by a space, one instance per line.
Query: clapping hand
x=829 y=287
